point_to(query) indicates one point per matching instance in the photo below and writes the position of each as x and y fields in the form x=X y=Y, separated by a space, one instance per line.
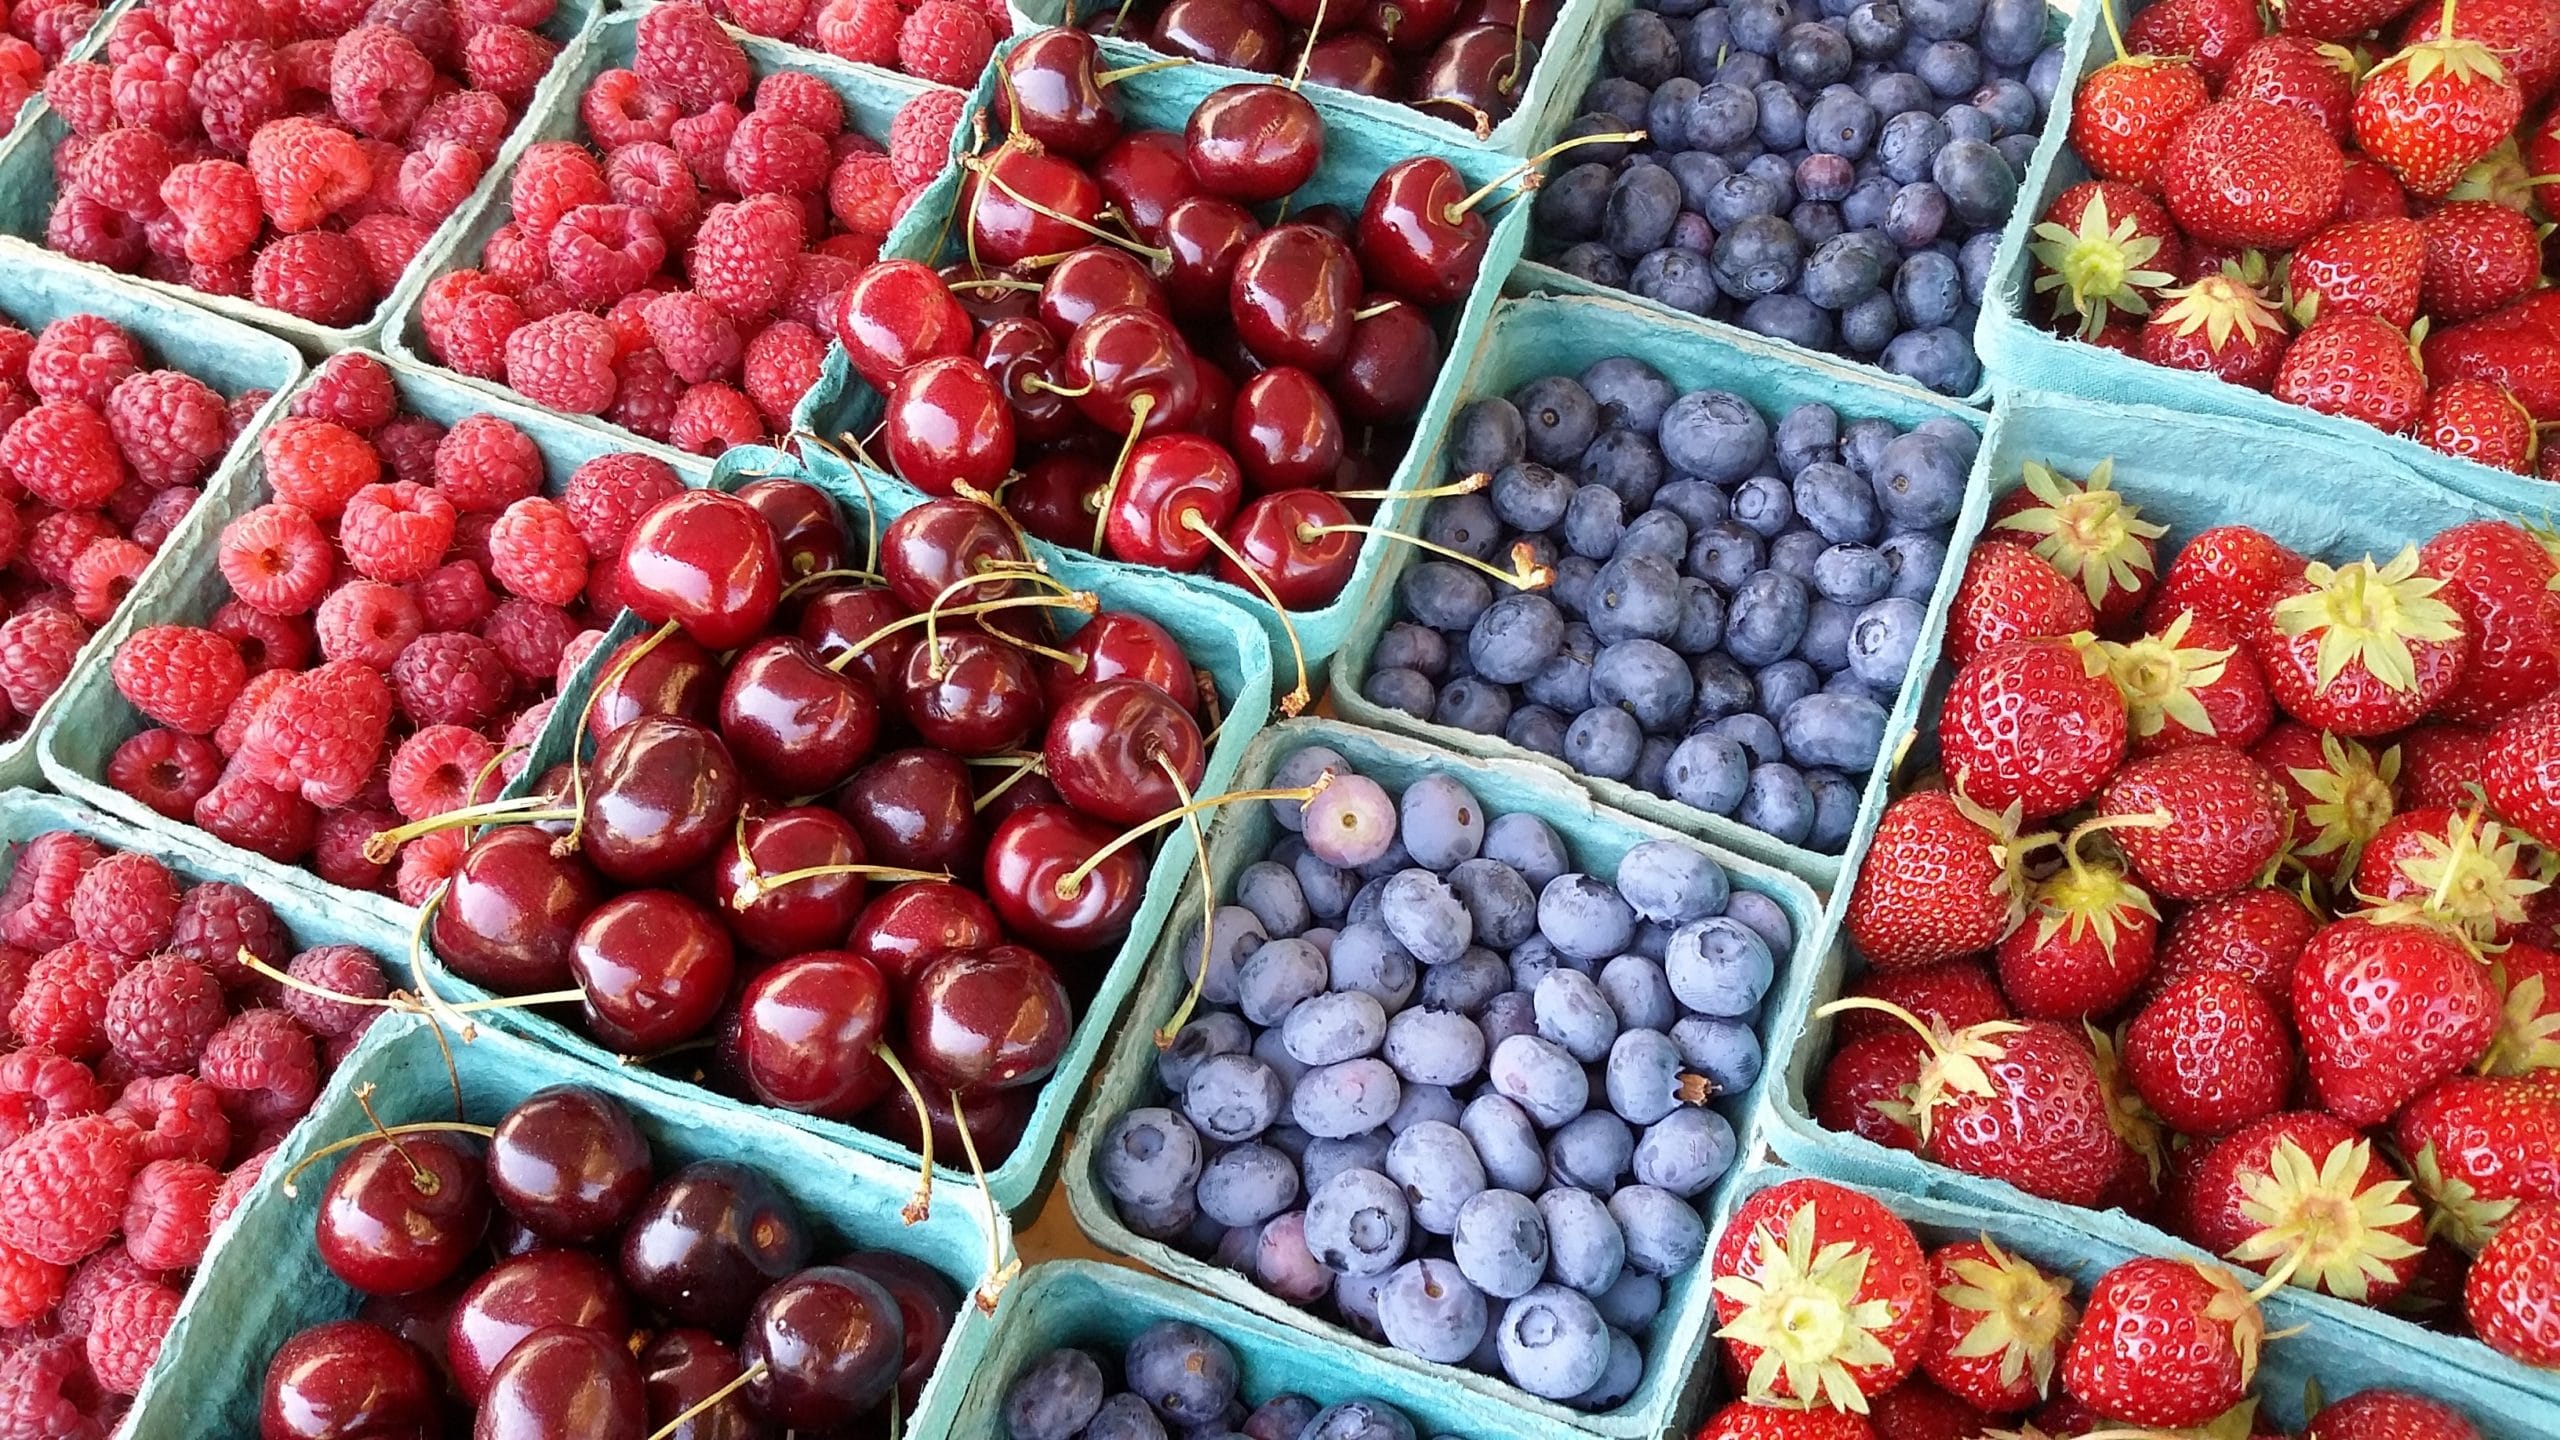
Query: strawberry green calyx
x=2367 y=614
x=2127 y=1115
x=2335 y=1228
x=2086 y=530
x=2449 y=55
x=2009 y=850
x=2455 y=1211
x=2236 y=1305
x=2084 y=899
x=2100 y=267
x=2528 y=1034
x=2023 y=1313
x=2220 y=306
x=1804 y=1314
x=1956 y=1057
x=2351 y=798
x=2161 y=676
x=2472 y=878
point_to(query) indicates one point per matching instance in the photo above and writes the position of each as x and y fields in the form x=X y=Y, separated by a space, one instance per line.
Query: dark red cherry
x=1410 y=27
x=1107 y=747
x=1052 y=93
x=1214 y=415
x=806 y=1028
x=401 y=1216
x=1242 y=33
x=1356 y=61
x=1537 y=17
x=996 y=1120
x=805 y=524
x=683 y=1368
x=1389 y=370
x=565 y=1381
x=1414 y=240
x=924 y=552
x=655 y=968
x=569 y=1163
x=706 y=560
x=1056 y=497
x=1292 y=297
x=897 y=314
x=1009 y=231
x=708 y=1240
x=970 y=693
x=662 y=794
x=948 y=425
x=838 y=617
x=809 y=913
x=348 y=1380
x=1324 y=17
x=1207 y=236
x=985 y=303
x=1474 y=76
x=796 y=726
x=676 y=677
x=1121 y=355
x=1018 y=352
x=513 y=910
x=1254 y=143
x=1092 y=280
x=420 y=1319
x=831 y=1343
x=1023 y=791
x=1286 y=430
x=528 y=1293
x=928 y=1306
x=1144 y=174
x=1333 y=220
x=1307 y=571
x=913 y=808
x=1033 y=852
x=911 y=924
x=987 y=1019
x=1169 y=480
x=1122 y=644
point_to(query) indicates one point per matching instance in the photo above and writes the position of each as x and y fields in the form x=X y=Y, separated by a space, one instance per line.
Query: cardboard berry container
x=28 y=189
x=94 y=717
x=269 y=1281
x=1596 y=837
x=1525 y=339
x=1218 y=638
x=2327 y=501
x=1359 y=145
x=2024 y=353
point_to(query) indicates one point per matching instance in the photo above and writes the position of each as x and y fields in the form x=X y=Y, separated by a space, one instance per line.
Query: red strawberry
x=1742 y=1420
x=2340 y=793
x=2384 y=1011
x=2101 y=248
x=2165 y=1343
x=2452 y=869
x=2334 y=19
x=2244 y=172
x=1953 y=993
x=2542 y=157
x=2210 y=1054
x=2225 y=820
x=2523 y=33
x=1822 y=1294
x=2362 y=648
x=2528 y=1040
x=2087 y=531
x=2142 y=1159
x=1866 y=1089
x=1944 y=877
x=2215 y=33
x=2359 y=366
x=2371 y=192
x=2229 y=574
x=2188 y=684
x=2478 y=420
x=2219 y=327
x=2359 y=267
x=2480 y=1145
x=2034 y=724
x=2513 y=1296
x=2000 y=1326
x=2480 y=256
x=2505 y=581
x=2390 y=1415
x=2087 y=943
x=2125 y=113
x=1918 y=1410
x=2312 y=76
x=2010 y=593
x=2436 y=107
x=2256 y=935
x=2441 y=764
x=2307 y=1194
x=2522 y=773
x=2511 y=347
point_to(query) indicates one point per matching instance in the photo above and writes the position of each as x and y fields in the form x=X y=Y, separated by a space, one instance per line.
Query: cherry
x=1292 y=297
x=1025 y=360
x=1334 y=221
x=1145 y=172
x=1035 y=851
x=528 y=1293
x=987 y=1019
x=654 y=967
x=1474 y=76
x=1002 y=793
x=706 y=560
x=1254 y=143
x=1287 y=432
x=1536 y=17
x=929 y=549
x=996 y=1120
x=513 y=910
x=913 y=808
x=1417 y=236
x=708 y=1240
x=831 y=1344
x=1388 y=372
x=1214 y=415
x=797 y=727
x=1410 y=27
x=837 y=618
x=662 y=794
x=1207 y=236
x=1056 y=497
x=348 y=1380
x=1107 y=747
x=898 y=314
x=905 y=927
x=1122 y=643
x=969 y=693
x=564 y=1380
x=401 y=1214
x=811 y=911
x=1306 y=571
x=675 y=677
x=948 y=425
x=1324 y=17
x=806 y=1032
x=1136 y=370
x=1053 y=93
x=1003 y=189
x=1092 y=280
x=1168 y=482
x=928 y=1306
x=420 y=1318
x=1356 y=61
x=1241 y=33
x=683 y=1368
x=805 y=524
x=986 y=303
x=569 y=1163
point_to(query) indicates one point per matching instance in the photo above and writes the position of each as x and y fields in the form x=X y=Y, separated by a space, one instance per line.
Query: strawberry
x=2214 y=33
x=2525 y=34
x=2219 y=327
x=2527 y=977
x=2188 y=684
x=2521 y=775
x=1918 y=1410
x=2100 y=248
x=2479 y=1146
x=2209 y=1054
x=2384 y=1010
x=2542 y=157
x=2142 y=1159
x=2296 y=71
x=2454 y=870
x=1866 y=1089
x=2306 y=1195
x=2165 y=1343
x=1742 y=1420
x=1944 y=877
x=2511 y=347
x=2390 y=1415
x=2480 y=255
x=2229 y=574
x=2244 y=172
x=2340 y=792
x=2362 y=648
x=2124 y=114
x=2255 y=934
x=2334 y=19
x=2441 y=764
x=1999 y=1329
x=2210 y=1186
x=2371 y=192
x=2225 y=820
x=2359 y=366
x=2010 y=593
x=2434 y=108
x=2034 y=724
x=2505 y=581
x=1822 y=1295
x=2087 y=531
x=2479 y=420
x=2087 y=943
x=2359 y=267
x=1953 y=993
x=2513 y=1296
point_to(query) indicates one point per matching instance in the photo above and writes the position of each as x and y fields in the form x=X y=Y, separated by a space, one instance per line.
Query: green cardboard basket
x=94 y=717
x=269 y=1282
x=2188 y=473
x=1596 y=837
x=1218 y=638
x=1549 y=335
x=1359 y=144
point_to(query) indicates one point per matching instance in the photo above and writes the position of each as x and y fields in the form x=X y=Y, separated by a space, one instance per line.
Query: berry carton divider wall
x=1358 y=146
x=272 y=1281
x=1595 y=838
x=2326 y=501
x=95 y=717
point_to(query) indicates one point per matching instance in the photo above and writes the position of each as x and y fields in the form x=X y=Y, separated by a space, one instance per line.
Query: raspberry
x=474 y=119
x=216 y=921
x=253 y=698
x=306 y=63
x=920 y=136
x=484 y=464
x=338 y=847
x=16 y=348
x=21 y=74
x=86 y=229
x=551 y=179
x=783 y=361
x=276 y=558
x=57 y=541
x=711 y=418
x=585 y=645
x=653 y=177
x=946 y=41
x=352 y=388
x=346 y=970
x=257 y=817
x=379 y=81
x=35 y=910
x=63 y=453
x=82 y=92
x=29 y=1287
x=863 y=194
x=430 y=25
x=468 y=318
x=368 y=622
x=103 y=575
x=322 y=732
x=37 y=651
x=564 y=361
x=536 y=553
x=237 y=1184
x=174 y=1117
x=122 y=170
x=684 y=54
x=37 y=1086
x=435 y=770
x=454 y=596
x=606 y=496
x=646 y=393
x=126 y=1333
x=264 y=1065
x=743 y=256
x=507 y=61
x=436 y=178
x=239 y=88
x=64 y=1004
x=167 y=1219
x=53 y=30
x=201 y=27
x=697 y=340
x=523 y=730
x=396 y=531
x=151 y=88
x=323 y=277
x=161 y=1013
x=780 y=19
x=42 y=1390
x=165 y=770
x=426 y=863
x=317 y=464
x=125 y=905
x=307 y=171
x=802 y=98
x=600 y=253
x=619 y=109
x=62 y=1188
x=170 y=425
x=244 y=410
x=817 y=278
x=515 y=258
x=703 y=141
x=471 y=541
x=408 y=448
x=452 y=678
x=771 y=154
x=389 y=244
x=529 y=636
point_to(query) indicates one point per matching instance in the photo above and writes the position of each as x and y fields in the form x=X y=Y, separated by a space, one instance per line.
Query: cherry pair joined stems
x=1298 y=696
x=1141 y=406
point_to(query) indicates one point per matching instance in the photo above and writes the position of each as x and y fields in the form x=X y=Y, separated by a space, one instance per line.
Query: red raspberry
x=307 y=171
x=619 y=108
x=426 y=863
x=161 y=1013
x=862 y=31
x=468 y=318
x=35 y=909
x=44 y=1388
x=53 y=30
x=771 y=154
x=16 y=348
x=783 y=361
x=317 y=464
x=62 y=1188
x=711 y=418
x=515 y=258
x=276 y=558
x=564 y=361
x=97 y=1277
x=780 y=19
x=396 y=531
x=536 y=553
x=126 y=1333
x=947 y=42
x=174 y=1117
x=125 y=905
x=630 y=332
x=703 y=141
x=82 y=92
x=151 y=88
x=475 y=119
x=236 y=1185
x=244 y=409
x=431 y=25
x=86 y=229
x=379 y=82
x=368 y=622
x=56 y=542
x=920 y=136
x=265 y=1067
x=15 y=963
x=244 y=711
x=471 y=541
x=63 y=453
x=484 y=464
x=864 y=193
x=452 y=679
x=352 y=388
x=600 y=253
x=257 y=817
x=103 y=575
x=653 y=177
x=529 y=636
x=167 y=1218
x=239 y=88
x=322 y=732
x=122 y=170
x=802 y=98
x=697 y=340
x=583 y=646
x=323 y=277
x=165 y=770
x=338 y=847
x=389 y=244
x=684 y=54
x=345 y=970
x=21 y=73
x=216 y=921
x=646 y=393
x=29 y=1287
x=201 y=27
x=10 y=532
x=37 y=1086
x=507 y=61
x=743 y=256
x=170 y=425
x=408 y=448
x=436 y=178
x=606 y=496
x=454 y=596
x=435 y=770
x=179 y=676
x=37 y=651
x=306 y=62
x=64 y=1005
x=817 y=278
x=551 y=179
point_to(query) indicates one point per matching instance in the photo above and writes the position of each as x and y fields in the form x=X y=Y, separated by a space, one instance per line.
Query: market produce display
x=1175 y=1375
x=36 y=39
x=944 y=41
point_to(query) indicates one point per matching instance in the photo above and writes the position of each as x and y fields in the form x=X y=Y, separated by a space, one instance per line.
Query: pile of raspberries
x=948 y=42
x=146 y=1073
x=100 y=457
x=677 y=274
x=400 y=610
x=37 y=35
x=297 y=152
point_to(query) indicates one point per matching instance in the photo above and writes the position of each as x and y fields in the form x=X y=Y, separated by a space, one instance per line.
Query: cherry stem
x=814 y=576
x=1141 y=405
x=2107 y=11
x=420 y=1178
x=1001 y=1268
x=440 y=1011
x=1484 y=122
x=1028 y=570
x=1519 y=41
x=1296 y=700
x=1307 y=52
x=381 y=845
x=994 y=282
x=1527 y=572
x=1466 y=486
x=982 y=607
x=920 y=1204
x=1372 y=312
x=1080 y=601
x=1023 y=764
x=1120 y=19
x=1036 y=384
x=586 y=721
x=758 y=886
x=1181 y=1016
x=1114 y=77
x=745 y=1377
x=1073 y=880
x=985 y=172
x=1012 y=106
x=423 y=1127
x=1451 y=214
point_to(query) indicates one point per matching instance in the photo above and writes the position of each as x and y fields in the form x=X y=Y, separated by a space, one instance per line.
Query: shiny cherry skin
x=1254 y=143
x=995 y=1118
x=402 y=1217
x=348 y=1380
x=1053 y=93
x=1414 y=240
x=1016 y=351
x=810 y=913
x=676 y=677
x=1033 y=851
x=1324 y=17
x=1123 y=644
x=836 y=618
x=1120 y=355
x=913 y=809
x=1356 y=61
x=1242 y=33
x=569 y=1163
x=528 y=1293
x=662 y=795
x=927 y=550
x=1391 y=366
x=684 y=1367
x=928 y=1306
x=1057 y=495
x=1332 y=220
x=986 y=304
x=1474 y=76
x=1410 y=28
x=1292 y=297
x=1092 y=280
x=1170 y=479
x=1207 y=236
x=898 y=314
x=805 y=524
x=1307 y=571
x=806 y=1028
x=797 y=727
x=565 y=1380
x=911 y=924
x=708 y=1240
x=1144 y=174
x=1107 y=745
x=1009 y=231
x=948 y=425
x=969 y=693
x=1286 y=431
x=513 y=911
x=655 y=968
x=708 y=561
x=832 y=1344
x=987 y=1019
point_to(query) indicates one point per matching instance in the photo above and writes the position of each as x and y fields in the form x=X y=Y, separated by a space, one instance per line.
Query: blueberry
x=1916 y=215
x=1572 y=1012
x=1876 y=29
x=1701 y=618
x=1840 y=122
x=1407 y=646
x=1825 y=645
x=1706 y=39
x=1684 y=1152
x=1815 y=55
x=1708 y=772
x=1506 y=1015
x=1719 y=966
x=1488 y=435
x=1248 y=1185
x=1236 y=1097
x=1920 y=480
x=1656 y=533
x=1473 y=705
x=1898 y=92
x=1852 y=574
x=1723 y=687
x=1630 y=1305
x=1765 y=504
x=2010 y=105
x=1125 y=1416
x=1839 y=732
x=1603 y=742
x=1698 y=503
x=1355 y=1420
x=1645 y=678
x=1637 y=992
x=1767 y=619
x=1643 y=1077
x=1622 y=99
x=1639 y=45
x=1515 y=638
x=1698 y=174
x=1782 y=683
x=1435 y=1047
x=1758 y=256
x=1740 y=197
x=1301 y=767
x=1528 y=845
x=1791 y=318
x=1909 y=143
x=1284 y=1265
x=1366 y=958
x=1666 y=114
x=1846 y=269
x=1276 y=977
x=1979 y=185
x=1630 y=393
x=1755 y=733
x=1928 y=290
x=1500 y=1242
x=1837 y=504
x=1429 y=1309
x=1726 y=1051
x=1464 y=523
x=1585 y=1249
x=1235 y=935
x=1633 y=597
x=1217 y=1032
x=2044 y=75
x=1745 y=71
x=1328 y=1158
x=1595 y=263
x=1561 y=416
x=1760 y=26
x=1726 y=554
x=1682 y=279
x=1403 y=690
x=1055 y=1398
x=1537 y=1075
x=1594 y=521
x=1817 y=222
x=1715 y=435
x=1665 y=1234
x=1150 y=1156
x=1358 y=1223
x=1868 y=202
x=1835 y=809
x=1570 y=207
x=1975 y=259
x=1950 y=68
x=1505 y=1140
x=1715 y=118
x=1591 y=1151
x=2011 y=32
x=1327 y=889
x=1777 y=804
x=1626 y=462
x=1344 y=1098
x=1781 y=116
x=1643 y=202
